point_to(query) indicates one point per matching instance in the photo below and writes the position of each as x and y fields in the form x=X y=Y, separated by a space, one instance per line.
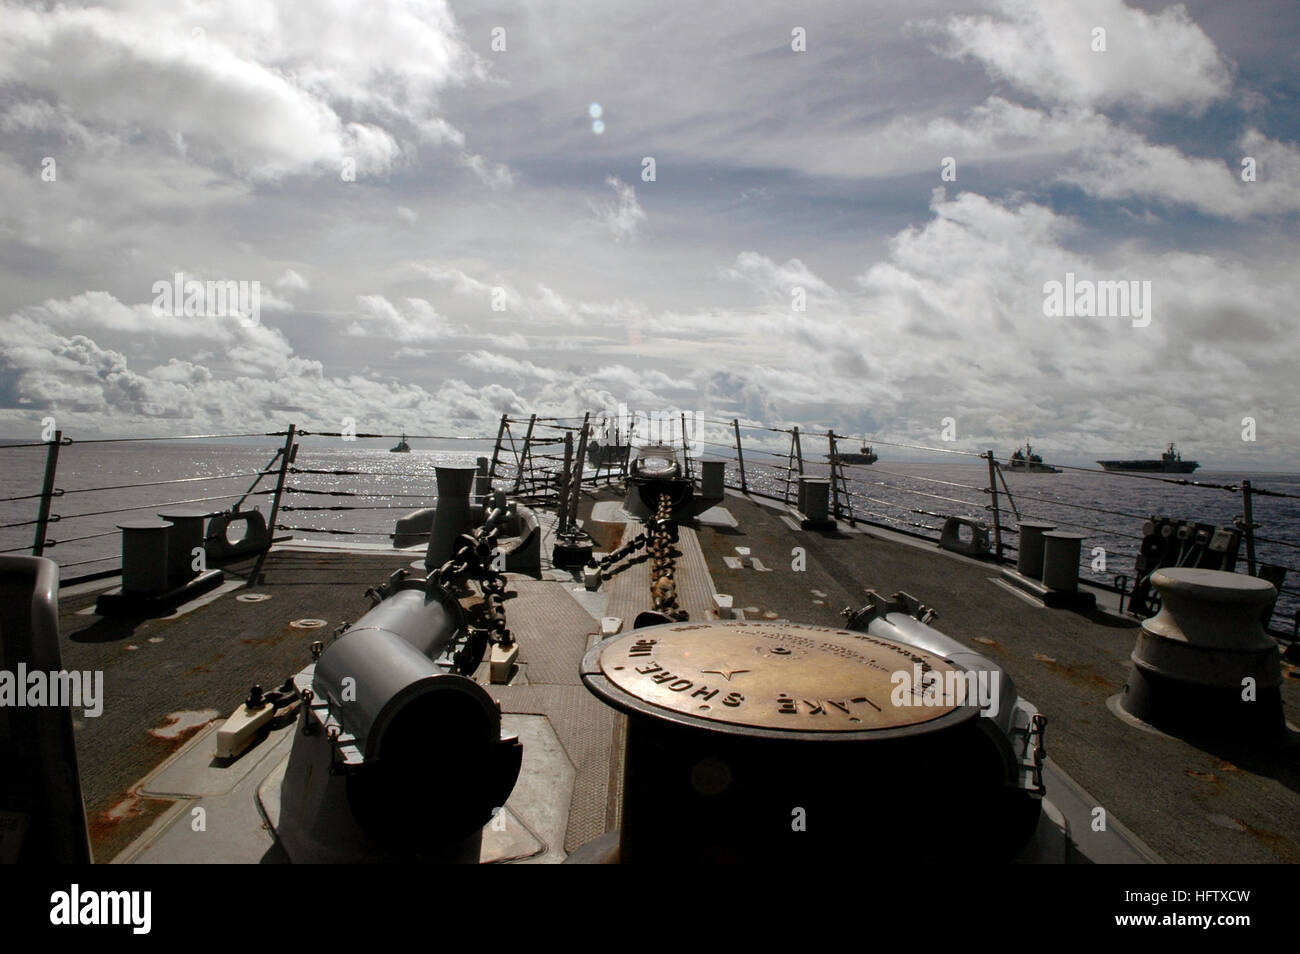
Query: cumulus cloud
x=957 y=315
x=268 y=92
x=1159 y=60
x=624 y=216
x=291 y=280
x=777 y=283
x=543 y=308
x=242 y=337
x=207 y=140
x=1106 y=159
x=98 y=388
x=499 y=365
x=1125 y=165
x=411 y=321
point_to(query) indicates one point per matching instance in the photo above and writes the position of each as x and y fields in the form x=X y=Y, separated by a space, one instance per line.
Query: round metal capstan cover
x=783 y=677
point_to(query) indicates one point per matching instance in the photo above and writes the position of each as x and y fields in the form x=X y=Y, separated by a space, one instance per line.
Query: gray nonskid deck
x=553 y=631
x=629 y=582
x=1188 y=804
x=200 y=661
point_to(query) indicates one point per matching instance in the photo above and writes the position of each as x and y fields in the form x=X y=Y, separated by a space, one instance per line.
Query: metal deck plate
x=778 y=676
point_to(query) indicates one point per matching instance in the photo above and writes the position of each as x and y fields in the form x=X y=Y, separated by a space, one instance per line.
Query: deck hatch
x=781 y=676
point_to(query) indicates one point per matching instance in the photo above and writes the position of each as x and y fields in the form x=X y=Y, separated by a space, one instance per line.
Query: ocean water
x=1108 y=508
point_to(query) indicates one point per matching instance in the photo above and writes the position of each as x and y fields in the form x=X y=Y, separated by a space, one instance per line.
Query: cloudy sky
x=452 y=212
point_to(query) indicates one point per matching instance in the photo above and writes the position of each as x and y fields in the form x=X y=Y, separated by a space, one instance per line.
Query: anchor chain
x=663 y=587
x=609 y=559
x=474 y=559
x=658 y=538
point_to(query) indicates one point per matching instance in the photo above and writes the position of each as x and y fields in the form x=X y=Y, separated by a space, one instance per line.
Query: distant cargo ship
x=1170 y=462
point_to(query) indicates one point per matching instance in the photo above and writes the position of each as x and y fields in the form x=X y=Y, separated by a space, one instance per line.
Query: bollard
x=712 y=479
x=452 y=517
x=1204 y=667
x=1030 y=560
x=144 y=556
x=185 y=536
x=1061 y=560
x=815 y=499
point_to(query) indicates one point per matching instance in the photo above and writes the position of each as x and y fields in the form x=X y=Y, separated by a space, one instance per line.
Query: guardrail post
x=740 y=455
x=1248 y=525
x=564 y=483
x=793 y=465
x=579 y=457
x=997 y=514
x=47 y=493
x=525 y=456
x=686 y=450
x=286 y=457
x=834 y=458
x=496 y=449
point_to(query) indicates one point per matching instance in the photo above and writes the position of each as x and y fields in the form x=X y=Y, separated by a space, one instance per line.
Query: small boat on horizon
x=402 y=447
x=1170 y=462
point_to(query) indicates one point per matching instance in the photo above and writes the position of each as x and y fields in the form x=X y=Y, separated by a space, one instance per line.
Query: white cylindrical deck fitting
x=452 y=516
x=1204 y=664
x=1061 y=560
x=144 y=556
x=1029 y=561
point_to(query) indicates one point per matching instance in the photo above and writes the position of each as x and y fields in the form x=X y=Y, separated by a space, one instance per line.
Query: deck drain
x=253 y=597
x=308 y=623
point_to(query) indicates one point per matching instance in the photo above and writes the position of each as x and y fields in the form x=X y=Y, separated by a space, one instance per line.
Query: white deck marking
x=1016 y=591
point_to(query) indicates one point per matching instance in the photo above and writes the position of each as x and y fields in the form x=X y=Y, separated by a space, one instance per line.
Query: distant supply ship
x=402 y=447
x=1170 y=462
x=866 y=456
x=1026 y=460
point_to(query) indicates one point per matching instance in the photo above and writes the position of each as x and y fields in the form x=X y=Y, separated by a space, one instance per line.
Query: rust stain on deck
x=116 y=827
x=181 y=724
x=1280 y=845
x=1079 y=674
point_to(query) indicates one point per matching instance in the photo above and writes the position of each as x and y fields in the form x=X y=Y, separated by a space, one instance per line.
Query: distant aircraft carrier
x=1170 y=462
